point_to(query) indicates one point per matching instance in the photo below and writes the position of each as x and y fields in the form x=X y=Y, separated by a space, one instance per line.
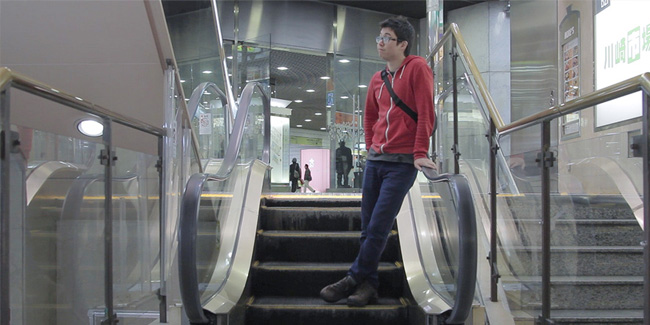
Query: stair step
x=585 y=292
x=580 y=261
x=312 y=200
x=311 y=218
x=314 y=311
x=307 y=279
x=591 y=317
x=583 y=232
x=317 y=246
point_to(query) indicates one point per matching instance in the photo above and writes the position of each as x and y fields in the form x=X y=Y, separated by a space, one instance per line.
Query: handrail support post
x=494 y=271
x=546 y=161
x=646 y=204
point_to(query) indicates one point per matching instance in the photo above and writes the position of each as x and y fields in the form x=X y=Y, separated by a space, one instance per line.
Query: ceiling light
x=207 y=93
x=298 y=101
x=307 y=120
x=325 y=77
x=323 y=129
x=182 y=80
x=283 y=68
x=318 y=113
x=207 y=71
x=344 y=97
x=344 y=61
x=363 y=86
x=299 y=125
x=90 y=127
x=310 y=90
x=328 y=106
x=229 y=57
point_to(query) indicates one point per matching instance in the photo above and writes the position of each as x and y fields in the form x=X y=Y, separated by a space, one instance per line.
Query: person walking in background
x=397 y=137
x=343 y=165
x=307 y=178
x=294 y=174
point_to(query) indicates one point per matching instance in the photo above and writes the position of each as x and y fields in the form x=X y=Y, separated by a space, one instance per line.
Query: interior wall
x=101 y=51
x=534 y=65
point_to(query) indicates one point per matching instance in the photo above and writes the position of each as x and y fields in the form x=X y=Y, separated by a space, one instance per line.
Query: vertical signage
x=570 y=57
x=622 y=51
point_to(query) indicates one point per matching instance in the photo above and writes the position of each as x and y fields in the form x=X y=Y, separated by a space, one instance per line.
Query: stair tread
x=578 y=279
x=587 y=314
x=583 y=248
x=316 y=266
x=310 y=233
x=281 y=302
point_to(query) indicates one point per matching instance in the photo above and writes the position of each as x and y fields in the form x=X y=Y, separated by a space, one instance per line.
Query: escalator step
x=314 y=311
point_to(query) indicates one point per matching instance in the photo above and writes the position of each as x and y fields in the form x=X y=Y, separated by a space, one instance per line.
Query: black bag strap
x=397 y=100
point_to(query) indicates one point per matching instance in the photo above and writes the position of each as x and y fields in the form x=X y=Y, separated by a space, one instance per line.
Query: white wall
x=102 y=51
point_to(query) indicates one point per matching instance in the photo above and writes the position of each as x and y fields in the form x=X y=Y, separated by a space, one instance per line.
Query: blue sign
x=330 y=99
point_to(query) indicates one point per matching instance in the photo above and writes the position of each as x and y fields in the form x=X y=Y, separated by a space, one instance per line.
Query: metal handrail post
x=545 y=161
x=494 y=273
x=106 y=158
x=454 y=75
x=646 y=207
x=4 y=207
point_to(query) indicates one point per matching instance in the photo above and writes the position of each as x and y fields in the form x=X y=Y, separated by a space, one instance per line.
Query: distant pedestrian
x=307 y=179
x=294 y=174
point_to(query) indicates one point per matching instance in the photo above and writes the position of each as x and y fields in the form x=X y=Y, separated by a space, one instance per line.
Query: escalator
x=246 y=267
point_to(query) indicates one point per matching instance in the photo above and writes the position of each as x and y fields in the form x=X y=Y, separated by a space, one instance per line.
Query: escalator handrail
x=189 y=214
x=467 y=240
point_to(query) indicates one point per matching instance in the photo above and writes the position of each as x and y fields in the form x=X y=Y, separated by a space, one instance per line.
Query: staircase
x=304 y=244
x=596 y=261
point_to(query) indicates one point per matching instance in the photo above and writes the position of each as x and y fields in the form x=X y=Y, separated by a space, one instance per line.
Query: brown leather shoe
x=364 y=294
x=339 y=290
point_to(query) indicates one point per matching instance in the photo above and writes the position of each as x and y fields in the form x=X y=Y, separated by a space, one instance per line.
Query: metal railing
x=498 y=129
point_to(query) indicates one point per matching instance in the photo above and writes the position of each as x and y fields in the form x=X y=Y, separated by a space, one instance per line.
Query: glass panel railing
x=519 y=228
x=62 y=269
x=62 y=255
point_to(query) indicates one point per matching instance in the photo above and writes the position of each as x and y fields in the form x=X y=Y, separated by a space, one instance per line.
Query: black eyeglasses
x=385 y=39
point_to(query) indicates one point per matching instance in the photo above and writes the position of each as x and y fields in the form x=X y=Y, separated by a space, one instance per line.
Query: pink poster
x=319 y=164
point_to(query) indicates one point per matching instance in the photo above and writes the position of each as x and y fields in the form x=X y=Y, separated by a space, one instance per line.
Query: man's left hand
x=424 y=162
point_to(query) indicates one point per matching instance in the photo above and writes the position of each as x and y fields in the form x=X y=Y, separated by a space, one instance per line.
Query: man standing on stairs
x=398 y=122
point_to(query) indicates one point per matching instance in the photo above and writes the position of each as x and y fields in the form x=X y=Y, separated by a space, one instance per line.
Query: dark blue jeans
x=385 y=184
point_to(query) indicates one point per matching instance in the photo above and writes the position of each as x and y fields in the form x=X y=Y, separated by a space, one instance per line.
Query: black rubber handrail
x=189 y=214
x=467 y=264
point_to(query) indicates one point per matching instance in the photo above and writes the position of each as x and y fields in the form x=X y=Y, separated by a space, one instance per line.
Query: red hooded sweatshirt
x=388 y=129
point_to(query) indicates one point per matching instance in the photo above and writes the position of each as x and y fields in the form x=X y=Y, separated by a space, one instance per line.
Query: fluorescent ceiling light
x=229 y=57
x=344 y=61
x=307 y=120
x=90 y=127
x=310 y=90
x=325 y=77
x=299 y=125
x=318 y=113
x=298 y=101
x=207 y=71
x=344 y=97
x=283 y=68
x=363 y=86
x=323 y=129
x=207 y=93
x=182 y=80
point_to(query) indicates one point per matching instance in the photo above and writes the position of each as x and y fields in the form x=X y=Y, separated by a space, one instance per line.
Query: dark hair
x=403 y=30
